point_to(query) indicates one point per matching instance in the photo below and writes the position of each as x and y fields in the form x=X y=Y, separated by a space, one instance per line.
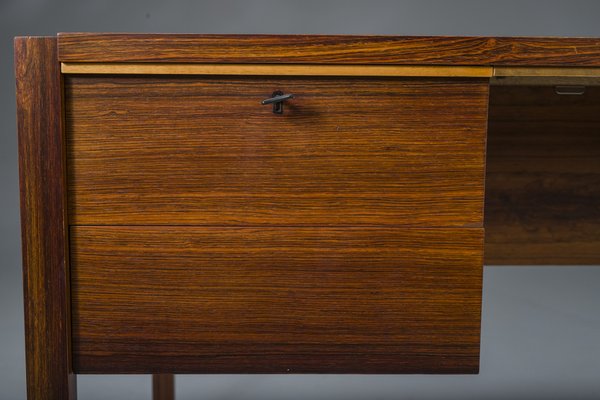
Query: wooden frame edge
x=44 y=228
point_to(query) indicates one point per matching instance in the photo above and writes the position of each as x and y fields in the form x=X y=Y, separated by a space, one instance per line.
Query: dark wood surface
x=276 y=300
x=543 y=177
x=322 y=49
x=43 y=220
x=397 y=156
x=190 y=150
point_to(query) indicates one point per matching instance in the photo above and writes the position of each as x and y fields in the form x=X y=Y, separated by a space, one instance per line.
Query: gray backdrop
x=541 y=325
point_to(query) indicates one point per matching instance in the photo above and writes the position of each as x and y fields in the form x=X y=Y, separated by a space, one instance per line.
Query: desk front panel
x=208 y=234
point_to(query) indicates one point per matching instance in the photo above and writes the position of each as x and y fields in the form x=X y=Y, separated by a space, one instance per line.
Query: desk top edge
x=329 y=49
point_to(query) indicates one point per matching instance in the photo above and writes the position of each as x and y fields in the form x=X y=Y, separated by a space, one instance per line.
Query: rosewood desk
x=291 y=204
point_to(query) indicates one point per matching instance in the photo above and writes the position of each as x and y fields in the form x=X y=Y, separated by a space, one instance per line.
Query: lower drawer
x=233 y=300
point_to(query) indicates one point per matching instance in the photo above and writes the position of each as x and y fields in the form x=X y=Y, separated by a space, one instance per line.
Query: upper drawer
x=346 y=151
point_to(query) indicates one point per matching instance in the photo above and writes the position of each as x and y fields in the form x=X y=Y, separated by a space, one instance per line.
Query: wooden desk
x=173 y=224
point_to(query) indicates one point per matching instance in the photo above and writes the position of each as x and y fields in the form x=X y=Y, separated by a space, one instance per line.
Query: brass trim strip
x=277 y=69
x=329 y=70
x=545 y=76
x=558 y=72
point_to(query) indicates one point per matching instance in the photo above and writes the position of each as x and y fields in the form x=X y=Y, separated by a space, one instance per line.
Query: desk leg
x=44 y=229
x=163 y=387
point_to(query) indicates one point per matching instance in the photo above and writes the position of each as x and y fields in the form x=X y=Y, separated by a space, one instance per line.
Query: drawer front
x=346 y=151
x=233 y=300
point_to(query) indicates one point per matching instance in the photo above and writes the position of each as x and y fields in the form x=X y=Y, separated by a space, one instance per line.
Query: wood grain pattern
x=276 y=300
x=276 y=69
x=43 y=220
x=543 y=177
x=323 y=49
x=184 y=150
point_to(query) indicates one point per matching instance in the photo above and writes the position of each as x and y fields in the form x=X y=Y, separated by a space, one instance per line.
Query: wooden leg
x=44 y=221
x=163 y=387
